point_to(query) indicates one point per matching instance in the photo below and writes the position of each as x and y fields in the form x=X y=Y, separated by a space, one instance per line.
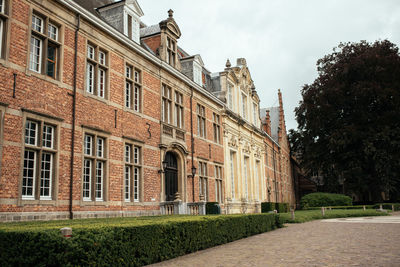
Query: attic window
x=131 y=28
x=171 y=51
x=197 y=74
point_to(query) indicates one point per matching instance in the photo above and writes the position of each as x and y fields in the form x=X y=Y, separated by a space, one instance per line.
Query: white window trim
x=33 y=54
x=50 y=179
x=31 y=197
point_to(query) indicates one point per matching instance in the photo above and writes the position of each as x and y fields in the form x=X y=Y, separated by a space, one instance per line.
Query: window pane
x=88 y=145
x=90 y=78
x=99 y=180
x=136 y=184
x=46 y=174
x=28 y=179
x=48 y=132
x=51 y=60
x=128 y=94
x=100 y=147
x=87 y=177
x=128 y=170
x=90 y=51
x=101 y=83
x=137 y=77
x=35 y=54
x=137 y=155
x=37 y=23
x=102 y=58
x=53 y=32
x=31 y=129
x=128 y=153
x=137 y=99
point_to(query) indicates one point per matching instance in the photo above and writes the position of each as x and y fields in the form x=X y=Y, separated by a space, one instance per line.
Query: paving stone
x=314 y=243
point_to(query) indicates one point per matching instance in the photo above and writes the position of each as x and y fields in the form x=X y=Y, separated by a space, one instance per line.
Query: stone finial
x=228 y=63
x=170 y=13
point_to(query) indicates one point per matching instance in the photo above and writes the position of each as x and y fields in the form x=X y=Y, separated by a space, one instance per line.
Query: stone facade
x=97 y=123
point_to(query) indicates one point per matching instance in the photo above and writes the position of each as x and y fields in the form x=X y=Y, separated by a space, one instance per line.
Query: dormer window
x=132 y=27
x=255 y=114
x=197 y=73
x=230 y=96
x=171 y=51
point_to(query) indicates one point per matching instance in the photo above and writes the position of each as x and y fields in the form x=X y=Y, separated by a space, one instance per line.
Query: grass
x=302 y=216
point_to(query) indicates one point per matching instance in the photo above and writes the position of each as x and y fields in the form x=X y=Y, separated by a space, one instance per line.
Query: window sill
x=90 y=202
x=98 y=98
x=26 y=201
x=137 y=113
x=43 y=77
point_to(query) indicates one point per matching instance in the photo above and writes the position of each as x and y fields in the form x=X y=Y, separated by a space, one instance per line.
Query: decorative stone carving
x=232 y=141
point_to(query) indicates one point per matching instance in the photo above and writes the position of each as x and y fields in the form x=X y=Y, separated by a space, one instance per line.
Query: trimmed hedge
x=271 y=206
x=358 y=207
x=127 y=244
x=324 y=200
x=267 y=207
x=213 y=208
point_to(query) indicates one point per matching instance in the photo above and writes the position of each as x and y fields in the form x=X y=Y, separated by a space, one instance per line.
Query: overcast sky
x=280 y=39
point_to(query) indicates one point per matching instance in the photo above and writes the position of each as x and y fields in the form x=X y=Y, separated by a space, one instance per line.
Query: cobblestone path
x=317 y=243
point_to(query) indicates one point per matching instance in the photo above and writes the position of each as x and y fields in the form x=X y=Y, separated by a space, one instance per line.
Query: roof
x=150 y=30
x=92 y=5
x=274 y=117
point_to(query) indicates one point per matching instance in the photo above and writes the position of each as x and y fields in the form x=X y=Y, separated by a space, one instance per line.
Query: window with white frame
x=218 y=184
x=232 y=158
x=201 y=120
x=39 y=160
x=203 y=180
x=230 y=96
x=197 y=73
x=132 y=173
x=178 y=110
x=216 y=128
x=3 y=26
x=133 y=88
x=132 y=27
x=166 y=104
x=244 y=106
x=94 y=167
x=44 y=46
x=96 y=71
x=255 y=114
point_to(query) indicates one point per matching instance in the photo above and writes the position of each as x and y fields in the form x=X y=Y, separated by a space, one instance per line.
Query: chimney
x=267 y=123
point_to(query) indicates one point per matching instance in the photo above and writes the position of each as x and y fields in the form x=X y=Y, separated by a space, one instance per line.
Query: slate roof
x=91 y=5
x=150 y=30
x=274 y=117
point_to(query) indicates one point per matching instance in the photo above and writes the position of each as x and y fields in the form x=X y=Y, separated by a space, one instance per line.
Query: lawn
x=302 y=216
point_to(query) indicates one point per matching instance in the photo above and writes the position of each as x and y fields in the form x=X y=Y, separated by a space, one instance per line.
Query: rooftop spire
x=170 y=13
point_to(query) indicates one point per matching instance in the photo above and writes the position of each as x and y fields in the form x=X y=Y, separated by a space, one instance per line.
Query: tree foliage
x=349 y=120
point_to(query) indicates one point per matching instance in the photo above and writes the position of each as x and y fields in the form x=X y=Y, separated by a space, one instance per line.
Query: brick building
x=103 y=116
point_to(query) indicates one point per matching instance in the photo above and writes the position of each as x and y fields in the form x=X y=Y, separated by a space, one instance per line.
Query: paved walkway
x=319 y=243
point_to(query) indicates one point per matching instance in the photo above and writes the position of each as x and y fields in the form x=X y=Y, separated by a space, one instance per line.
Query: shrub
x=213 y=208
x=282 y=207
x=267 y=206
x=324 y=200
x=133 y=242
x=358 y=207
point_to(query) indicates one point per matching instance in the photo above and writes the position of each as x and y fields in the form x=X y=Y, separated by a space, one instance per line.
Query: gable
x=134 y=7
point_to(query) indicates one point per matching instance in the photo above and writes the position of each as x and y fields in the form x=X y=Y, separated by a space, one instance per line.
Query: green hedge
x=271 y=206
x=324 y=200
x=267 y=207
x=358 y=207
x=213 y=208
x=127 y=244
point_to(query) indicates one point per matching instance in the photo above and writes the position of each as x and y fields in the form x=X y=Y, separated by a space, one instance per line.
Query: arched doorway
x=171 y=176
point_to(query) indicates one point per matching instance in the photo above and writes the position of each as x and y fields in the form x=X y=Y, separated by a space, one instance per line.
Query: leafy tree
x=349 y=120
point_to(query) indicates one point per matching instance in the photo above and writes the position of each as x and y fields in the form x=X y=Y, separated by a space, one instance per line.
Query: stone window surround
x=47 y=19
x=56 y=122
x=97 y=66
x=133 y=83
x=133 y=143
x=96 y=132
x=4 y=28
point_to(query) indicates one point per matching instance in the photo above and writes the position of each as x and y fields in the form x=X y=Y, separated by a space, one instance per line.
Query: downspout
x=71 y=181
x=192 y=138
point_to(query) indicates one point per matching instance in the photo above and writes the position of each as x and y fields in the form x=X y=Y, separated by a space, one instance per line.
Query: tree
x=349 y=120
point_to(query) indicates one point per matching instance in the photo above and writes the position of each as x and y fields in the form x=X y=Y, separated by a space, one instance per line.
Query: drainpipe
x=192 y=138
x=71 y=181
